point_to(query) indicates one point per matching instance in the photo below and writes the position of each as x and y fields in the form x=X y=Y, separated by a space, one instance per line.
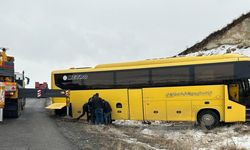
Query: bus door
x=239 y=91
x=234 y=92
x=135 y=104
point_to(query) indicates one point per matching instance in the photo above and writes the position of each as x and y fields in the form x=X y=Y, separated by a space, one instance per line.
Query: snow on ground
x=140 y=123
x=127 y=122
x=226 y=137
x=124 y=135
x=224 y=49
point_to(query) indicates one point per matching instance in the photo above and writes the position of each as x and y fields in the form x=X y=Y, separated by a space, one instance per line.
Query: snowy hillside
x=224 y=49
x=234 y=36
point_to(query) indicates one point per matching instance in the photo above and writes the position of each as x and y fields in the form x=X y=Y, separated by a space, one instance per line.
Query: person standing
x=107 y=112
x=98 y=109
x=91 y=110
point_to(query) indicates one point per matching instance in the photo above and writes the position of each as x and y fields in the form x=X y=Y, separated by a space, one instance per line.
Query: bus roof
x=173 y=61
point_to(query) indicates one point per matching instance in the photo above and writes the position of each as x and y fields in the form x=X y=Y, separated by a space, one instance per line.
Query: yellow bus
x=203 y=89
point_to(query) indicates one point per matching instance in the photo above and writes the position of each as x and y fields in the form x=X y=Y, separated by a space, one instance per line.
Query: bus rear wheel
x=208 y=119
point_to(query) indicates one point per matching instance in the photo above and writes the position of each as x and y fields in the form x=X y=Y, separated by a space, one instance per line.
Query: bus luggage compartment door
x=154 y=102
x=179 y=110
x=135 y=104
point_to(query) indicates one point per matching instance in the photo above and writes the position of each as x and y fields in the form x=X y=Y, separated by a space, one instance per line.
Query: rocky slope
x=234 y=38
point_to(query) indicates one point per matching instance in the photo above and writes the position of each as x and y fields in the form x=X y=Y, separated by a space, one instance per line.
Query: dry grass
x=231 y=147
x=242 y=129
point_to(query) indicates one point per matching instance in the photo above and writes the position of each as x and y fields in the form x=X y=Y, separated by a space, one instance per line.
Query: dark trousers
x=99 y=116
x=107 y=118
x=92 y=116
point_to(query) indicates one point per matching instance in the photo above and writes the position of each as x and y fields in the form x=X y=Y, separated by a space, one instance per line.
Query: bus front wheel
x=208 y=119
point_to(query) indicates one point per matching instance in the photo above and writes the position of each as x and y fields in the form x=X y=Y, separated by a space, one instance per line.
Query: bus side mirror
x=28 y=80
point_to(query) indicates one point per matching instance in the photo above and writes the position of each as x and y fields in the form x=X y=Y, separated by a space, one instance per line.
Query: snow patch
x=148 y=132
x=223 y=49
x=128 y=123
x=140 y=123
x=135 y=141
x=242 y=142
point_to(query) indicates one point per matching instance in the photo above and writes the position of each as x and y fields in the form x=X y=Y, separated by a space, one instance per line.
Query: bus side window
x=118 y=105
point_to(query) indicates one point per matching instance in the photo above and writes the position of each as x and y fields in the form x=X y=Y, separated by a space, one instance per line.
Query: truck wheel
x=13 y=109
x=17 y=113
x=208 y=119
x=23 y=103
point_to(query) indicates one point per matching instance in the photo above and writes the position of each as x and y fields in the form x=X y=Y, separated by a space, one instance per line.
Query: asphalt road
x=34 y=130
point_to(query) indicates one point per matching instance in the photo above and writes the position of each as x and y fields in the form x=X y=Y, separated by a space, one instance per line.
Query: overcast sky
x=46 y=35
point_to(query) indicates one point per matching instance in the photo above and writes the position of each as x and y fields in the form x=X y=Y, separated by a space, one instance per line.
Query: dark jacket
x=106 y=107
x=85 y=109
x=97 y=103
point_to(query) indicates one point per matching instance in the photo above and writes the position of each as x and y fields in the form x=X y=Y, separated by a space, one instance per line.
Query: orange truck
x=12 y=104
x=15 y=93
